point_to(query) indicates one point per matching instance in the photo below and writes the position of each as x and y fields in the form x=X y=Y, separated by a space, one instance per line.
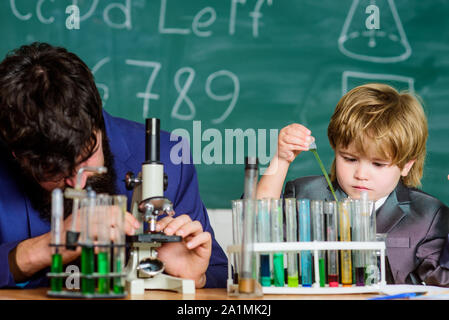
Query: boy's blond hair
x=395 y=122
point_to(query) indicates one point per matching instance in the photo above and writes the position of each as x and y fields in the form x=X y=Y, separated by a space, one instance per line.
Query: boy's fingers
x=192 y=228
x=176 y=223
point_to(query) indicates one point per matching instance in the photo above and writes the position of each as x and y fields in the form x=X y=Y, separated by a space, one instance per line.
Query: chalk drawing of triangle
x=388 y=44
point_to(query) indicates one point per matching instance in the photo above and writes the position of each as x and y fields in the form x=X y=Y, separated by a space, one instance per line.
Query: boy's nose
x=361 y=172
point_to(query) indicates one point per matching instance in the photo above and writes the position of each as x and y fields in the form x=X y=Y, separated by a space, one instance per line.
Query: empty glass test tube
x=330 y=211
x=345 y=235
x=305 y=235
x=318 y=235
x=292 y=236
x=119 y=238
x=237 y=224
x=57 y=223
x=264 y=235
x=277 y=235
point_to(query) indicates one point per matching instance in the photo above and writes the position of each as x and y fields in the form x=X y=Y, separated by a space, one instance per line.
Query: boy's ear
x=407 y=167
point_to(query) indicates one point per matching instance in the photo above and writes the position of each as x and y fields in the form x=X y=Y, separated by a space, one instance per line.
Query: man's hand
x=190 y=257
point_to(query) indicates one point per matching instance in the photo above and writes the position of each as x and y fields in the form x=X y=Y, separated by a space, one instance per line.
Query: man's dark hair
x=50 y=110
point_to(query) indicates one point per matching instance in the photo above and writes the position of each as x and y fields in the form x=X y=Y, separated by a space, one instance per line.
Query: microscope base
x=161 y=282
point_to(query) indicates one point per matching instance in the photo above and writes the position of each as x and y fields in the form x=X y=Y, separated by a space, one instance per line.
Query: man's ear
x=407 y=167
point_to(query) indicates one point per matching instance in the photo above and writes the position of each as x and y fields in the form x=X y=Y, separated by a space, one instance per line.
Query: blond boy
x=379 y=139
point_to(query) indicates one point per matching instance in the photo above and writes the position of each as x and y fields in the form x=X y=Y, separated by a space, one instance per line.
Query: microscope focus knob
x=131 y=181
x=165 y=181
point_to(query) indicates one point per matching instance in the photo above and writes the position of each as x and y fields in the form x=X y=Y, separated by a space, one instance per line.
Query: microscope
x=144 y=270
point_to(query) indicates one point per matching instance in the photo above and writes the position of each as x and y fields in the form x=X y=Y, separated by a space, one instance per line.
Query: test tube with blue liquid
x=277 y=235
x=318 y=235
x=345 y=235
x=305 y=236
x=330 y=211
x=56 y=237
x=292 y=236
x=264 y=235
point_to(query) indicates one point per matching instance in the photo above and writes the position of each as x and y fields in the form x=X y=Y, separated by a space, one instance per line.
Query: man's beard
x=101 y=183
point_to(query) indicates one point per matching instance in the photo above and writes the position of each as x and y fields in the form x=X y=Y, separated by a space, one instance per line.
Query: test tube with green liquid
x=87 y=244
x=318 y=235
x=330 y=211
x=345 y=235
x=119 y=213
x=264 y=235
x=277 y=235
x=305 y=235
x=103 y=222
x=292 y=236
x=56 y=237
x=358 y=234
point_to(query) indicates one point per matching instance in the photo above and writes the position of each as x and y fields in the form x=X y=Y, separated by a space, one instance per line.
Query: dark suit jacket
x=417 y=227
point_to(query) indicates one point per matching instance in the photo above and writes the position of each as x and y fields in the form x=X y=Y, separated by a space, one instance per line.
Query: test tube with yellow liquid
x=344 y=207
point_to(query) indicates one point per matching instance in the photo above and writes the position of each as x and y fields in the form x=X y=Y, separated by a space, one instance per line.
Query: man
x=51 y=124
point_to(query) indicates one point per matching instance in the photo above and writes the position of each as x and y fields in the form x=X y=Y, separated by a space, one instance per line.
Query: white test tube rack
x=315 y=246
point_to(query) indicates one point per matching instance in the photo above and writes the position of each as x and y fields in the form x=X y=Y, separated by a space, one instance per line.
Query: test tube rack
x=315 y=246
x=77 y=292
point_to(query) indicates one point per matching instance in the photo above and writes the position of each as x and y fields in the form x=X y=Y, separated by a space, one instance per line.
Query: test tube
x=318 y=235
x=237 y=223
x=345 y=235
x=56 y=237
x=369 y=214
x=247 y=279
x=358 y=235
x=86 y=240
x=292 y=236
x=330 y=211
x=305 y=235
x=247 y=270
x=119 y=213
x=277 y=235
x=264 y=235
x=103 y=222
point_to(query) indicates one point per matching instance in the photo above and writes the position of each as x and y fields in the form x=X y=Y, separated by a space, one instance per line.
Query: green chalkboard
x=220 y=70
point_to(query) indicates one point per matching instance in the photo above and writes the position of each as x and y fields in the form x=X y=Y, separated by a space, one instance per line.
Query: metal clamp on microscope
x=144 y=269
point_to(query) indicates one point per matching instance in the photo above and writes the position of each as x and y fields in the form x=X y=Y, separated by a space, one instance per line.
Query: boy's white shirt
x=380 y=202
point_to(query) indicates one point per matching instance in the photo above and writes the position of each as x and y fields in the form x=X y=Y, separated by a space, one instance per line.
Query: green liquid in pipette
x=118 y=287
x=293 y=281
x=87 y=268
x=103 y=268
x=278 y=269
x=322 y=267
x=315 y=153
x=56 y=267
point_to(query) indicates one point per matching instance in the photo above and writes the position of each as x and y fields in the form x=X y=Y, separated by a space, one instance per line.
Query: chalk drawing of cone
x=373 y=32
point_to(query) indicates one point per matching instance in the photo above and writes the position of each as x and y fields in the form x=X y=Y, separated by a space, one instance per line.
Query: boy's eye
x=349 y=159
x=378 y=164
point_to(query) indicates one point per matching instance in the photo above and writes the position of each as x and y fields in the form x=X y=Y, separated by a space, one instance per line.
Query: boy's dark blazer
x=417 y=227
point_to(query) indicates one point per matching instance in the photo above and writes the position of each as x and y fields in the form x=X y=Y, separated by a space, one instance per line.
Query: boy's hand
x=292 y=140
